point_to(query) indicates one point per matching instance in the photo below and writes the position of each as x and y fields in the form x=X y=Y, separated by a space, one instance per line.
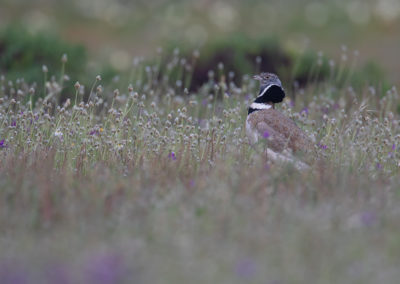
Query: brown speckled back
x=283 y=132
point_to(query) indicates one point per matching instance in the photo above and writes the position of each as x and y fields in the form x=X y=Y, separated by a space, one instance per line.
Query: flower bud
x=77 y=86
x=64 y=58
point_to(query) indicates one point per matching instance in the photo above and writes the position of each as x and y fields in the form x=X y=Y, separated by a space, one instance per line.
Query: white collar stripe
x=260 y=106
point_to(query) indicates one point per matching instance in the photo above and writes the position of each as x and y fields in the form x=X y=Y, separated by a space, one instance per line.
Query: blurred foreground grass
x=149 y=182
x=144 y=174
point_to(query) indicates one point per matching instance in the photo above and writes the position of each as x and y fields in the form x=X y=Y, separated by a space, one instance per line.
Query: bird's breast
x=251 y=131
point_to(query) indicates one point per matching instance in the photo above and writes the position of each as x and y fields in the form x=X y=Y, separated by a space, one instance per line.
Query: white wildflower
x=58 y=133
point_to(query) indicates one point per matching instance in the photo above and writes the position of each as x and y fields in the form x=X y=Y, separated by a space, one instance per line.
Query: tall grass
x=150 y=183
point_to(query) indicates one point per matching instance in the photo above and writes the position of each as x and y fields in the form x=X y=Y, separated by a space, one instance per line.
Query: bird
x=265 y=122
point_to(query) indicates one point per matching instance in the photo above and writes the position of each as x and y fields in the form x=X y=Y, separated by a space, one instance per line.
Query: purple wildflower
x=203 y=123
x=172 y=156
x=58 y=274
x=93 y=132
x=105 y=268
x=12 y=273
x=245 y=268
x=379 y=166
x=393 y=147
x=2 y=144
x=322 y=146
x=266 y=134
x=368 y=218
x=305 y=110
x=13 y=123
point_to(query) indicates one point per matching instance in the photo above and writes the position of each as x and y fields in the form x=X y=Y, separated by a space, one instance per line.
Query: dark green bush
x=23 y=54
x=239 y=54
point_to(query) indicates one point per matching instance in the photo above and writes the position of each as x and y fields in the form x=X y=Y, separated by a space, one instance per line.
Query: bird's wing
x=289 y=133
x=276 y=141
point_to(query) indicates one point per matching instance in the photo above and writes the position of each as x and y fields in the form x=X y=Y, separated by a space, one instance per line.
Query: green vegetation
x=152 y=183
x=144 y=174
x=23 y=55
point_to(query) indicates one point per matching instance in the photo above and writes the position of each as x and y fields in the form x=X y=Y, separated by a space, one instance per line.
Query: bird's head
x=268 y=79
x=271 y=90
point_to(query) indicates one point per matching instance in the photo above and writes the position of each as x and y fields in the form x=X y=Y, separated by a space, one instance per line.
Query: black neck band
x=252 y=110
x=274 y=94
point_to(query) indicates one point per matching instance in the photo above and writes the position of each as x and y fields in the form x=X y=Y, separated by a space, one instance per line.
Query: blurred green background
x=104 y=36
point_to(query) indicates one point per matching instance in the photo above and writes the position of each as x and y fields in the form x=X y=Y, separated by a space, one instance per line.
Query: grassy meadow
x=121 y=171
x=152 y=184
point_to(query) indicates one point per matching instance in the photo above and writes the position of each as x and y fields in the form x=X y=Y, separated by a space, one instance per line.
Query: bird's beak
x=257 y=77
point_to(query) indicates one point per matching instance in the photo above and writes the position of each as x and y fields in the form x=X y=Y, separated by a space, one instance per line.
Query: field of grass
x=142 y=181
x=116 y=30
